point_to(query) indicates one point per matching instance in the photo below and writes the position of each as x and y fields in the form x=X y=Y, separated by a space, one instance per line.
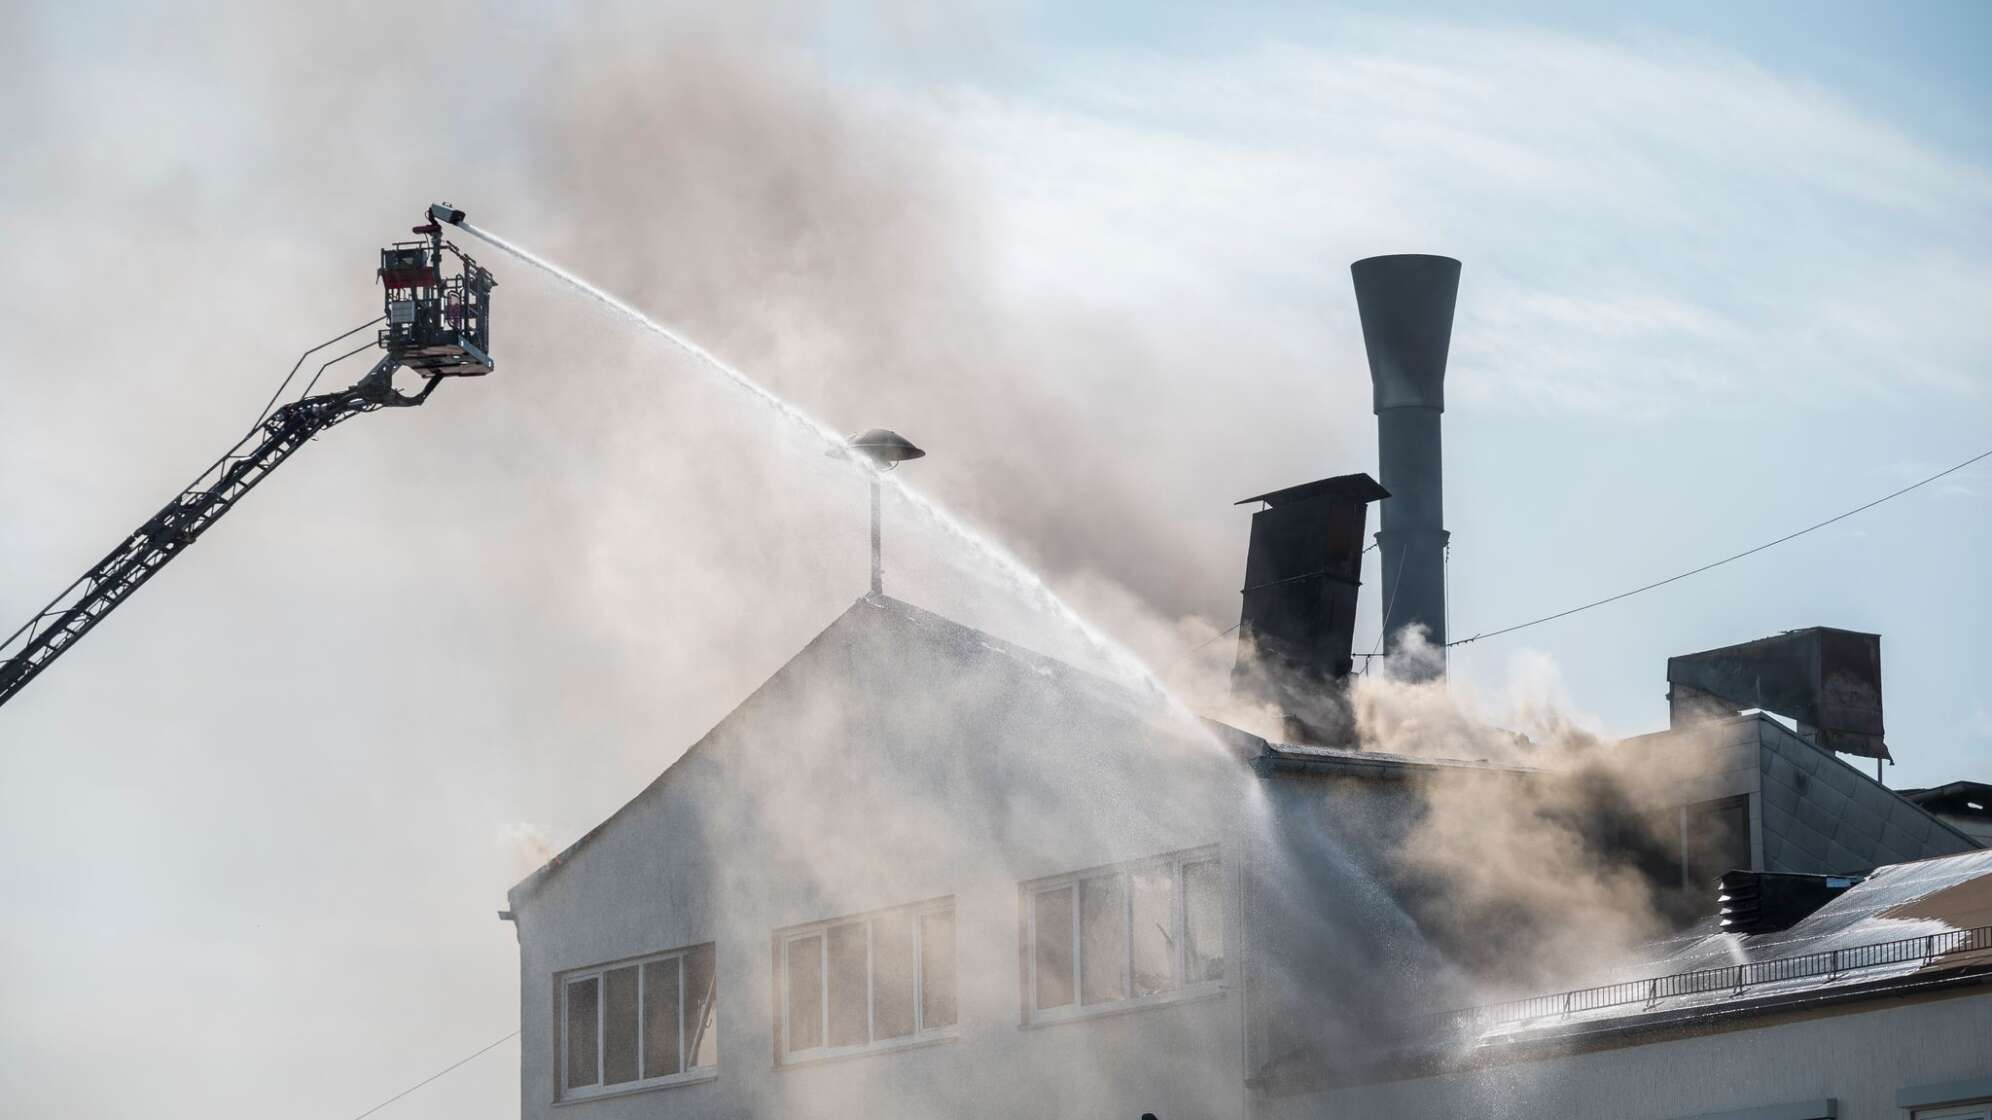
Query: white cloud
x=1637 y=222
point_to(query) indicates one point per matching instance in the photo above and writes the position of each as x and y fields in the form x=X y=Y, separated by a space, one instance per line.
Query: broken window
x=1134 y=932
x=661 y=1045
x=937 y=968
x=700 y=1024
x=583 y=1021
x=619 y=999
x=1054 y=947
x=892 y=971
x=1102 y=939
x=868 y=981
x=1203 y=923
x=805 y=993
x=639 y=1023
x=1154 y=929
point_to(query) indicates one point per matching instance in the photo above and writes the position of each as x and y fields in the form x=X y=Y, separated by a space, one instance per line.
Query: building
x=820 y=905
x=925 y=871
x=930 y=869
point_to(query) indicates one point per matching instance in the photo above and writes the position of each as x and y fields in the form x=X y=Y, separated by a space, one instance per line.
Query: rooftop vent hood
x=1302 y=570
x=1765 y=901
x=1827 y=681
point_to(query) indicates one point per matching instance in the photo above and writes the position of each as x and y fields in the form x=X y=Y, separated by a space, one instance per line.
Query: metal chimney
x=1302 y=570
x=1406 y=304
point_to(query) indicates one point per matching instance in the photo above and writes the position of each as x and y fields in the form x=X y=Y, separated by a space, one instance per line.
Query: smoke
x=503 y=612
x=1542 y=874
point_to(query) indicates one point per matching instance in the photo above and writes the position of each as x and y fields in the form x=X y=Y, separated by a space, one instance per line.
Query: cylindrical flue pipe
x=1406 y=303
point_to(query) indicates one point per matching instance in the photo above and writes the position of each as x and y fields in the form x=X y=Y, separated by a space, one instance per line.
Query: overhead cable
x=1724 y=560
x=433 y=1076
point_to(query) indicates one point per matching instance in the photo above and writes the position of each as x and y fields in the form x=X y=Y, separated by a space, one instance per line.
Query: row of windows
x=1116 y=937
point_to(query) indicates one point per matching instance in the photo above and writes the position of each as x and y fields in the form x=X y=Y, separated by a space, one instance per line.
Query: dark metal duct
x=1406 y=303
x=1765 y=902
x=1827 y=681
x=1302 y=571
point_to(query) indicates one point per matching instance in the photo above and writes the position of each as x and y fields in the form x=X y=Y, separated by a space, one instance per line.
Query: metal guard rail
x=1732 y=979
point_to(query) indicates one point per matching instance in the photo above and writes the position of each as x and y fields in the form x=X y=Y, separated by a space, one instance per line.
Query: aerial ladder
x=436 y=321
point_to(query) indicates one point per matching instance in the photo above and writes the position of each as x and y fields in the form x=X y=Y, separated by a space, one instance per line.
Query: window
x=1124 y=936
x=638 y=1024
x=1803 y=1110
x=1966 y=1112
x=867 y=982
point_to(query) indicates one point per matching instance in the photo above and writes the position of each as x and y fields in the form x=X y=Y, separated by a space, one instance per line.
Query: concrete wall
x=1821 y=814
x=1810 y=812
x=1860 y=1059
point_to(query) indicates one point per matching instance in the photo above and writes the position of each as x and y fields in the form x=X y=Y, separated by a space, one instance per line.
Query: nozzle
x=444 y=212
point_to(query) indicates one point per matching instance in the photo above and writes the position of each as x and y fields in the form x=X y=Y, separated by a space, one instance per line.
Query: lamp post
x=884 y=450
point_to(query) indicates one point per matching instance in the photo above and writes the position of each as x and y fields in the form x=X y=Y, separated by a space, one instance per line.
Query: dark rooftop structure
x=1965 y=806
x=1828 y=681
x=1303 y=569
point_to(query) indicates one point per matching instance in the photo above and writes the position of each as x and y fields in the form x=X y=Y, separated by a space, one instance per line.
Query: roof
x=902 y=626
x=1278 y=758
x=1351 y=487
x=1952 y=795
x=878 y=622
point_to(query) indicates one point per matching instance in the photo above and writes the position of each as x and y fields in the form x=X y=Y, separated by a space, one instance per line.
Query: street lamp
x=884 y=450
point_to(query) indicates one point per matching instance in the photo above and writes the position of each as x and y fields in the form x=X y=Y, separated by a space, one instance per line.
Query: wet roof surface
x=1900 y=900
x=1904 y=921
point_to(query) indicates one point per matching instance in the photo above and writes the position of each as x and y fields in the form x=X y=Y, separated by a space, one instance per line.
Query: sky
x=1722 y=276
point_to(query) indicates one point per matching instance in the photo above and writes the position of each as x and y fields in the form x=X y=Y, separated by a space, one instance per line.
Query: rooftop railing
x=1729 y=979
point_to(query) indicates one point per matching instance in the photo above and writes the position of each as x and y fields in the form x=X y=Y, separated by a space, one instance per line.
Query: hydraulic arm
x=436 y=324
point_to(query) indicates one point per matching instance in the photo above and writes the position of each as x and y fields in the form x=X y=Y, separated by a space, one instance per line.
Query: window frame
x=1976 y=1110
x=687 y=1074
x=1182 y=992
x=923 y=1035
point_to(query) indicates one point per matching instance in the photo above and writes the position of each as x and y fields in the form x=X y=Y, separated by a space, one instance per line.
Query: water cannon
x=446 y=214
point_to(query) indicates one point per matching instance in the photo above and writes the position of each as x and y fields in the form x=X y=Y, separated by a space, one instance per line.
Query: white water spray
x=994 y=555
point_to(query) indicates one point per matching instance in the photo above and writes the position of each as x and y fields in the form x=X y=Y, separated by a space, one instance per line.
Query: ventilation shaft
x=1406 y=303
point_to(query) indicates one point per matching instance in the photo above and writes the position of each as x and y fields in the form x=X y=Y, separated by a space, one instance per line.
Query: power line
x=433 y=1076
x=1724 y=560
x=1227 y=630
x=1202 y=644
x=1383 y=628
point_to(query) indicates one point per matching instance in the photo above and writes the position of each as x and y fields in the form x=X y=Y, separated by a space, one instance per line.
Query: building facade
x=925 y=871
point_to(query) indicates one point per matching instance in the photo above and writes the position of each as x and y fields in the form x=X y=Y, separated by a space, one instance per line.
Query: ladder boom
x=436 y=304
x=169 y=532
